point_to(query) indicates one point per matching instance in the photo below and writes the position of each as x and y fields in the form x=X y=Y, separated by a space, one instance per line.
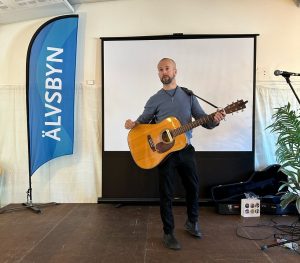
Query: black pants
x=184 y=162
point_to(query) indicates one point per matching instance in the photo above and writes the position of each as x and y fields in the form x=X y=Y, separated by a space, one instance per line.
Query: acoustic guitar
x=150 y=144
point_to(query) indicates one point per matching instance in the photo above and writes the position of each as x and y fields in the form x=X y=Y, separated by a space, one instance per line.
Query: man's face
x=166 y=71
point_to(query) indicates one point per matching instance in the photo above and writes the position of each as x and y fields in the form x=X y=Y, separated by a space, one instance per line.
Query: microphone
x=285 y=73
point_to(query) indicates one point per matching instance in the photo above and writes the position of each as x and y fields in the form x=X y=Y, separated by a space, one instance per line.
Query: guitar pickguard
x=162 y=147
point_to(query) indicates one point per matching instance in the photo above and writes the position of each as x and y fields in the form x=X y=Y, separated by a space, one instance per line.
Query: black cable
x=288 y=233
x=253 y=226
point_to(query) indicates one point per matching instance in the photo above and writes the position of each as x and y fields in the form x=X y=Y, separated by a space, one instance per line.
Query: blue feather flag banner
x=50 y=89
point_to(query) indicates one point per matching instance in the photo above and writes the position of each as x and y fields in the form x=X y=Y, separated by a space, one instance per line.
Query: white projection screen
x=220 y=70
x=217 y=68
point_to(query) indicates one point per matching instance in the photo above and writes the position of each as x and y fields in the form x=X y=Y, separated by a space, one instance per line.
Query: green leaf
x=282 y=186
x=287 y=198
x=286 y=125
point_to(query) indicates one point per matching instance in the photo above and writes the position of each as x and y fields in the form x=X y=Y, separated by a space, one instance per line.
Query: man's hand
x=220 y=115
x=129 y=124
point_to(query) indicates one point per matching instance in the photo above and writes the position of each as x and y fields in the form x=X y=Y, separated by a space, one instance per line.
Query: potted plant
x=287 y=126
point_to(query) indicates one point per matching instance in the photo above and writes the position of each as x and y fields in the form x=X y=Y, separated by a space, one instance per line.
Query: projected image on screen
x=219 y=70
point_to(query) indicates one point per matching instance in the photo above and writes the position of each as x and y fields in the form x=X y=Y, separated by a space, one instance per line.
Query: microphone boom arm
x=287 y=78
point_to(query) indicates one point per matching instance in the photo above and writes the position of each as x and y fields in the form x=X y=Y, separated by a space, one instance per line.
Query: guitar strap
x=191 y=93
x=153 y=120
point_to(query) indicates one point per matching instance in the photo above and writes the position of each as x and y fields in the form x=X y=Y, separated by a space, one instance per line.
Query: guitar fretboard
x=233 y=107
x=184 y=128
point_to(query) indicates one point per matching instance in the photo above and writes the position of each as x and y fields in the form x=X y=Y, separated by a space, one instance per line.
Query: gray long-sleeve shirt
x=176 y=103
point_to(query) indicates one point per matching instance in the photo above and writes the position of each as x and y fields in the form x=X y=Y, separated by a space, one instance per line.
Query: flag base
x=33 y=207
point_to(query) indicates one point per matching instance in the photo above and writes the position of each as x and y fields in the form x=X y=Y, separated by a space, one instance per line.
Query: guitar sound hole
x=166 y=136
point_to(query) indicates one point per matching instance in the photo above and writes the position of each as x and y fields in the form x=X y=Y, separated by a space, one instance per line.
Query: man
x=172 y=100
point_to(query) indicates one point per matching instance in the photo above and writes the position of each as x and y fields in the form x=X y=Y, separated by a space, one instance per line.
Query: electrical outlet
x=90 y=82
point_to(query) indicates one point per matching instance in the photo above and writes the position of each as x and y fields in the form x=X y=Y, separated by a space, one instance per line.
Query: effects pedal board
x=250 y=207
x=229 y=208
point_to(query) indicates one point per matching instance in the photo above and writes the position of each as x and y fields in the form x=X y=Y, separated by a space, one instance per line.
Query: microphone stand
x=264 y=247
x=287 y=78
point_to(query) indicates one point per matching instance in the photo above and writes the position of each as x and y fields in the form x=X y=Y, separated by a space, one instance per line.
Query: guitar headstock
x=235 y=106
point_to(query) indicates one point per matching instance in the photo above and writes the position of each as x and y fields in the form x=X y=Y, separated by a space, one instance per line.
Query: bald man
x=172 y=100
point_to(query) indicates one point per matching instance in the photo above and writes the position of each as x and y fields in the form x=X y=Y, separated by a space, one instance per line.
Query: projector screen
x=219 y=69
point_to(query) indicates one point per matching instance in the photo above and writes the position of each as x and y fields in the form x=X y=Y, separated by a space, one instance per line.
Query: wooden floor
x=103 y=233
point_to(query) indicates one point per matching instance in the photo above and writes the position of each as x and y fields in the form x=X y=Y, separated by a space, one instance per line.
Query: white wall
x=276 y=21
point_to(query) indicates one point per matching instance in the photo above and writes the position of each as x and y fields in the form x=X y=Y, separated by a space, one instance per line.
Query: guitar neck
x=233 y=107
x=184 y=128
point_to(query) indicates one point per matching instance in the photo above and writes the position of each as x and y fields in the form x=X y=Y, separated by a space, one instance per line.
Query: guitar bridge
x=151 y=143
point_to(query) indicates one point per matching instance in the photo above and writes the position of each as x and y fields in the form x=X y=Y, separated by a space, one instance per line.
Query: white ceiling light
x=20 y=10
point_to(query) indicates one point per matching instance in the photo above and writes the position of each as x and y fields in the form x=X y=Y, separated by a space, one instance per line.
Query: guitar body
x=150 y=144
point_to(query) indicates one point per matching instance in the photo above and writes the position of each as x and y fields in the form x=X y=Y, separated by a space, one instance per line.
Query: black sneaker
x=193 y=228
x=171 y=242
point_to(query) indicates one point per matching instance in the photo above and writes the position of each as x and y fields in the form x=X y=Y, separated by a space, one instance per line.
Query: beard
x=166 y=80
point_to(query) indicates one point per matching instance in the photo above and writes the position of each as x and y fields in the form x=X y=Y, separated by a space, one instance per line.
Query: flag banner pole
x=50 y=89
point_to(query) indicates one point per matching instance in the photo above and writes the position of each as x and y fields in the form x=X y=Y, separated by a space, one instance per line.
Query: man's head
x=167 y=70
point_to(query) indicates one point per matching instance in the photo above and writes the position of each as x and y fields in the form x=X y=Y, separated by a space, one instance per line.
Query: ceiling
x=12 y=11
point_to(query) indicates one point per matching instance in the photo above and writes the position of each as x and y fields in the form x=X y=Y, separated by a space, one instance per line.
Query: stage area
x=104 y=233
